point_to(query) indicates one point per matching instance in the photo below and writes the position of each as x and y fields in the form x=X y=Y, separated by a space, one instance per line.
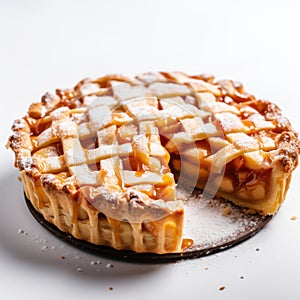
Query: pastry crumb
x=110 y=288
x=206 y=268
x=293 y=218
x=221 y=288
x=226 y=211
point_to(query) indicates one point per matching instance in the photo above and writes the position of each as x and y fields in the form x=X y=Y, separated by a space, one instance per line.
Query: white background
x=53 y=44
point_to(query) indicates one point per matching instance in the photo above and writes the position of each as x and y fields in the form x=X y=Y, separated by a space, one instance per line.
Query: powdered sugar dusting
x=19 y=124
x=25 y=163
x=243 y=141
x=208 y=225
x=230 y=122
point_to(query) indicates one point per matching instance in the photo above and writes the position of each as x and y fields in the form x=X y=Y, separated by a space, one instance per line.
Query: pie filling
x=101 y=161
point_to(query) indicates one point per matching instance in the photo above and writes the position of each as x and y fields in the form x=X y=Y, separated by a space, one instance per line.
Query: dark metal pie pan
x=251 y=224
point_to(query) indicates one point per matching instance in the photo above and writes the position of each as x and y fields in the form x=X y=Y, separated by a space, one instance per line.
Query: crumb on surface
x=109 y=266
x=206 y=268
x=62 y=257
x=226 y=211
x=293 y=218
x=221 y=288
x=110 y=288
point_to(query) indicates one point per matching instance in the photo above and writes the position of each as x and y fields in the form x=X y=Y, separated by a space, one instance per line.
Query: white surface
x=53 y=44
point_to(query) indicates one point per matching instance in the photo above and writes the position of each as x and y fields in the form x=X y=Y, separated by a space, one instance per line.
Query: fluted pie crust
x=100 y=161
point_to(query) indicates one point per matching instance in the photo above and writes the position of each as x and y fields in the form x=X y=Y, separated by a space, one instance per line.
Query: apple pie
x=101 y=161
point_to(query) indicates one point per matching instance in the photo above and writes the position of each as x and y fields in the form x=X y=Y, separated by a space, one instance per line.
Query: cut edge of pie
x=97 y=161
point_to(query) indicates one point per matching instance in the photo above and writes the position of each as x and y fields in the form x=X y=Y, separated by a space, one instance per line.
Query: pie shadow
x=24 y=240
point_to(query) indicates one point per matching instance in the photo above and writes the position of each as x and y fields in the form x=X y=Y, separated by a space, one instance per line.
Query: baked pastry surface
x=101 y=161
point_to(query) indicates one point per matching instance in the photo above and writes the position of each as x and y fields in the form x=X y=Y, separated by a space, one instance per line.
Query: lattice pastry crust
x=100 y=161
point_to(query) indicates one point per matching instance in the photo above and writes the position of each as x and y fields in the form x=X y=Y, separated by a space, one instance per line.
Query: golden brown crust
x=287 y=150
x=228 y=95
